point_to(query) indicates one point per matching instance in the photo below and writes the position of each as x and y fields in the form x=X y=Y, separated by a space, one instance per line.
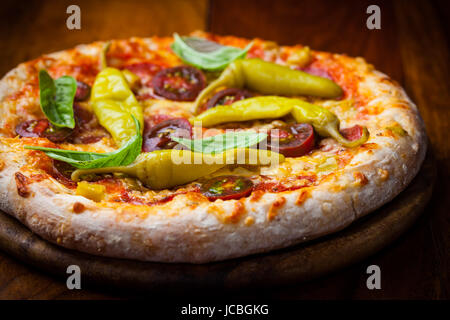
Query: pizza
x=200 y=148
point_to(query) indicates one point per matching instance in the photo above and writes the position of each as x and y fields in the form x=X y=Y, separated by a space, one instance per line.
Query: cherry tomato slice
x=56 y=135
x=181 y=83
x=227 y=187
x=42 y=128
x=298 y=142
x=83 y=91
x=228 y=96
x=158 y=136
x=32 y=128
x=81 y=115
x=352 y=133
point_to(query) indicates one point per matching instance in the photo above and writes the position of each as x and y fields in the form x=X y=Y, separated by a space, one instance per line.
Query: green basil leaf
x=56 y=98
x=221 y=142
x=205 y=54
x=90 y=160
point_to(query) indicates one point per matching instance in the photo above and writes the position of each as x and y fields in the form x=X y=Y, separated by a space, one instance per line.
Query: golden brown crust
x=189 y=228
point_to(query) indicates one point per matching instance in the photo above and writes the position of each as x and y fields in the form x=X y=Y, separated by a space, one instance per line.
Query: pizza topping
x=32 y=128
x=57 y=135
x=42 y=128
x=182 y=83
x=267 y=107
x=163 y=169
x=112 y=102
x=88 y=160
x=317 y=72
x=92 y=191
x=324 y=121
x=221 y=142
x=205 y=54
x=270 y=78
x=227 y=187
x=228 y=96
x=144 y=70
x=83 y=91
x=133 y=79
x=56 y=99
x=22 y=182
x=159 y=136
x=299 y=57
x=298 y=142
x=353 y=133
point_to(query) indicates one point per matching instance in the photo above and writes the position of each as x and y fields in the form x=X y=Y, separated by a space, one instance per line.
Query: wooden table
x=411 y=46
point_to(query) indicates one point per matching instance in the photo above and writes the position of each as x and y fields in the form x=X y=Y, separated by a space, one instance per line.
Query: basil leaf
x=222 y=142
x=90 y=160
x=56 y=98
x=205 y=54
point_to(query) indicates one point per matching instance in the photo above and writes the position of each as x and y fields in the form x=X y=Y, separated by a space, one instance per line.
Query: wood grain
x=412 y=47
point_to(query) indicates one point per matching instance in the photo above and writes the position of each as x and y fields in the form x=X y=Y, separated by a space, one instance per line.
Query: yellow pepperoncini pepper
x=270 y=78
x=324 y=121
x=168 y=168
x=113 y=102
x=268 y=107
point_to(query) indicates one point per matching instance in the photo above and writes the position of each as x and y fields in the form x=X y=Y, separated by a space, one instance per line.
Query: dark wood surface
x=412 y=47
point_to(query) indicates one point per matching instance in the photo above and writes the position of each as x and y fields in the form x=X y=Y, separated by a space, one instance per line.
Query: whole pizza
x=200 y=148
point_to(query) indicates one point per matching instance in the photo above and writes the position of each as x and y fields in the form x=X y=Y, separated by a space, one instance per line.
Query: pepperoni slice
x=296 y=142
x=228 y=96
x=317 y=72
x=145 y=71
x=352 y=133
x=227 y=187
x=83 y=91
x=158 y=136
x=181 y=83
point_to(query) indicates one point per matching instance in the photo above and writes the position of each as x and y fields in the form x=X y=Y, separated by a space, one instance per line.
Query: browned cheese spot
x=249 y=221
x=303 y=195
x=78 y=207
x=360 y=179
x=278 y=204
x=384 y=174
x=22 y=184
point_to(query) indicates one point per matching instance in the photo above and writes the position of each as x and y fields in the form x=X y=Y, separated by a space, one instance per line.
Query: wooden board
x=294 y=264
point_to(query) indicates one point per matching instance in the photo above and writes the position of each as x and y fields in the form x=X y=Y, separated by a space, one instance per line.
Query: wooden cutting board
x=290 y=265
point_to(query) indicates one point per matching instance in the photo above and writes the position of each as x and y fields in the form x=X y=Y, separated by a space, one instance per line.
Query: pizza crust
x=184 y=230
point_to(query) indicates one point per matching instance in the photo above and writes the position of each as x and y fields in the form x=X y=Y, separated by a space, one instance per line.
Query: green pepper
x=270 y=78
x=113 y=102
x=324 y=121
x=248 y=109
x=168 y=168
